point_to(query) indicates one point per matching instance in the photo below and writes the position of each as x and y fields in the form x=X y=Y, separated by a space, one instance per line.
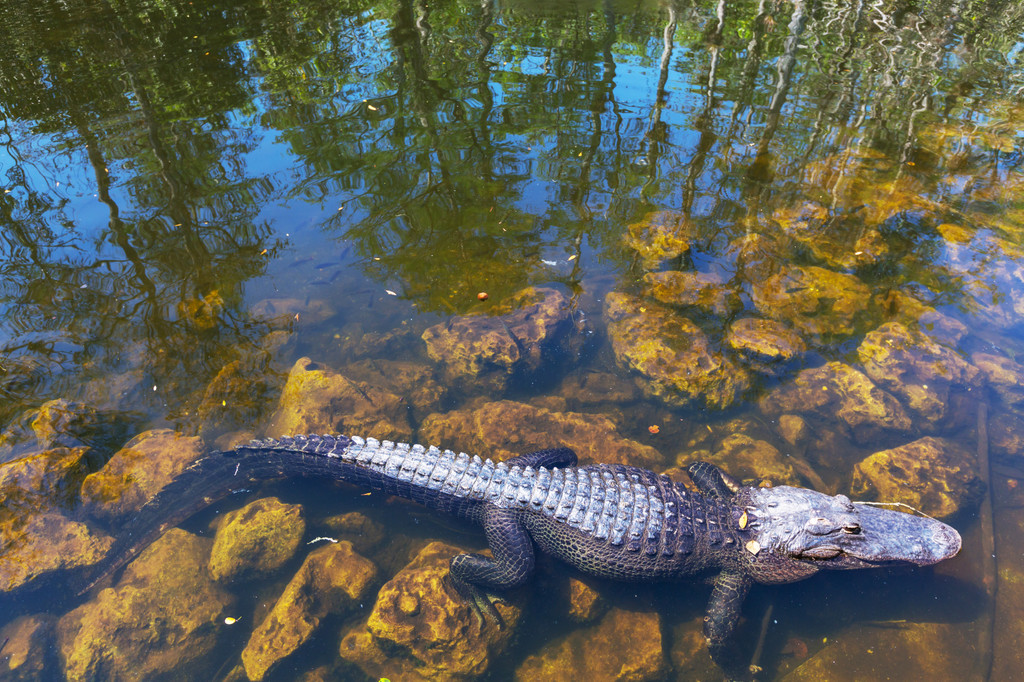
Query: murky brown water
x=786 y=237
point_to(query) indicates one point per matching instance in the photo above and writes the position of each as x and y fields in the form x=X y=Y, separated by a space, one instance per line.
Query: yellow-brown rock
x=364 y=533
x=139 y=471
x=486 y=351
x=318 y=400
x=750 y=459
x=624 y=646
x=814 y=300
x=413 y=381
x=419 y=630
x=486 y=431
x=43 y=480
x=585 y=603
x=41 y=542
x=162 y=618
x=256 y=539
x=793 y=428
x=704 y=290
x=331 y=580
x=766 y=346
x=836 y=391
x=27 y=652
x=674 y=360
x=659 y=236
x=933 y=475
x=911 y=651
x=1005 y=376
x=915 y=368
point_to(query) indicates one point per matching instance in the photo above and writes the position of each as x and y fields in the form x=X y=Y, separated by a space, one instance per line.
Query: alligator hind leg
x=475 y=576
x=549 y=458
x=720 y=622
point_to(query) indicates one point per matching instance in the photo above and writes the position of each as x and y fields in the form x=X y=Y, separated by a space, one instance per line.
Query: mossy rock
x=256 y=540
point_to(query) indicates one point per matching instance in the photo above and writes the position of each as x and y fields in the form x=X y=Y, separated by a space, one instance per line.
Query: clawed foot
x=480 y=602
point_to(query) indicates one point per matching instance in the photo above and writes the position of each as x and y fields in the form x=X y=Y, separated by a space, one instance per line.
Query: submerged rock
x=910 y=365
x=837 y=391
x=284 y=312
x=675 y=361
x=28 y=652
x=703 y=290
x=504 y=429
x=419 y=631
x=766 y=346
x=911 y=651
x=413 y=381
x=486 y=351
x=139 y=471
x=162 y=618
x=585 y=603
x=814 y=300
x=256 y=539
x=364 y=533
x=331 y=580
x=659 y=236
x=749 y=459
x=625 y=646
x=1005 y=376
x=933 y=475
x=35 y=544
x=316 y=399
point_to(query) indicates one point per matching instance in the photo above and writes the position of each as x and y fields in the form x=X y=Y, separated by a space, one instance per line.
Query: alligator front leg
x=721 y=619
x=475 y=576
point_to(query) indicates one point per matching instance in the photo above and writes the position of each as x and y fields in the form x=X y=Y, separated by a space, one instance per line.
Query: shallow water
x=197 y=195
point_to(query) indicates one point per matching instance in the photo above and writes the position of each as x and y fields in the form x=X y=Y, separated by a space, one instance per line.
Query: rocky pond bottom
x=344 y=584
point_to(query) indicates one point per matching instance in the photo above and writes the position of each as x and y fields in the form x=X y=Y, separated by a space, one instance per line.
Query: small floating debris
x=390 y=293
x=322 y=538
x=482 y=296
x=231 y=621
x=654 y=428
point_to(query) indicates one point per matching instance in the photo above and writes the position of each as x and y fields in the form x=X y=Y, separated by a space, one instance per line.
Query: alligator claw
x=480 y=602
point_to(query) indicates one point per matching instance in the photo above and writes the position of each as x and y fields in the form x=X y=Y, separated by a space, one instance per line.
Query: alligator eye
x=851 y=530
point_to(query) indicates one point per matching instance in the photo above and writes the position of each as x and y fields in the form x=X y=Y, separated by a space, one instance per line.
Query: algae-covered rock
x=486 y=351
x=749 y=459
x=1005 y=376
x=837 y=391
x=907 y=651
x=504 y=429
x=624 y=646
x=35 y=544
x=675 y=361
x=814 y=300
x=139 y=471
x=933 y=475
x=705 y=290
x=598 y=388
x=318 y=400
x=43 y=480
x=413 y=381
x=256 y=539
x=364 y=533
x=585 y=603
x=419 y=630
x=793 y=428
x=1006 y=437
x=243 y=390
x=331 y=580
x=28 y=653
x=162 y=618
x=766 y=346
x=60 y=423
x=659 y=236
x=910 y=365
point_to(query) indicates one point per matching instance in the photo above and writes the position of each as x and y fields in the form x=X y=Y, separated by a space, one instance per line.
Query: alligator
x=608 y=520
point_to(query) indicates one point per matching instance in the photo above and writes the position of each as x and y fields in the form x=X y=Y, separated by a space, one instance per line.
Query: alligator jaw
x=895 y=537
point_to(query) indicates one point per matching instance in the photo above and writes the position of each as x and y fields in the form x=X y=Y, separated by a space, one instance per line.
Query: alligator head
x=797 y=532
